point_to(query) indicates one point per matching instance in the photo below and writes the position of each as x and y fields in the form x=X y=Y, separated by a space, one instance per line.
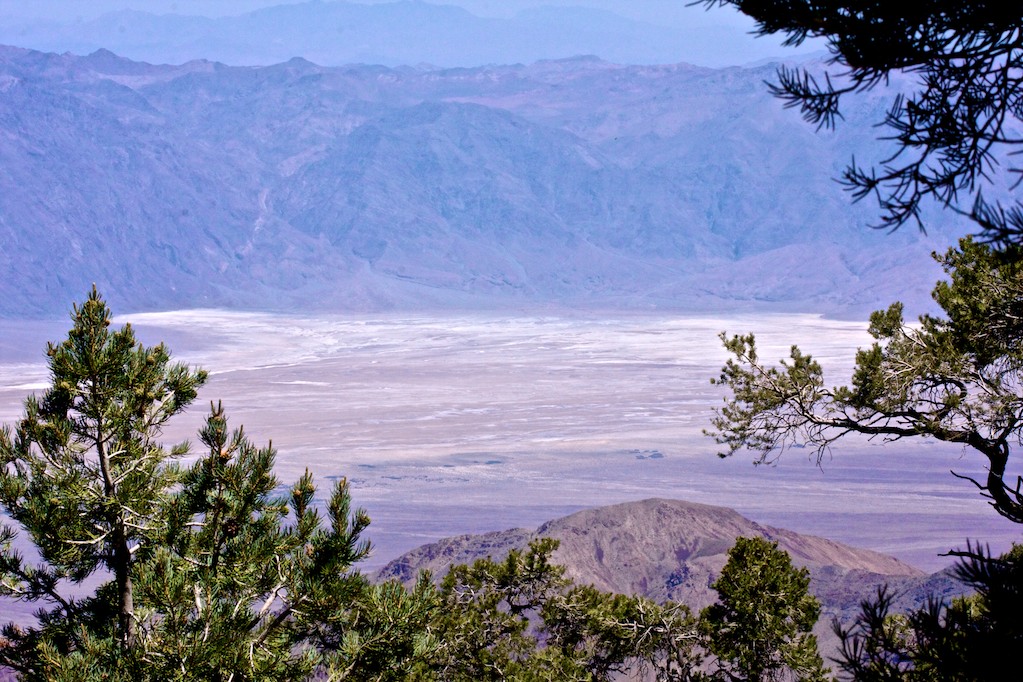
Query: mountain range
x=389 y=33
x=575 y=183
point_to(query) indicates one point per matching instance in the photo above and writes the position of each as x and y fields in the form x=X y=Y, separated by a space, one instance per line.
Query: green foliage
x=521 y=619
x=205 y=573
x=955 y=378
x=244 y=582
x=388 y=635
x=607 y=635
x=877 y=645
x=484 y=623
x=214 y=572
x=84 y=475
x=759 y=629
x=758 y=416
x=972 y=638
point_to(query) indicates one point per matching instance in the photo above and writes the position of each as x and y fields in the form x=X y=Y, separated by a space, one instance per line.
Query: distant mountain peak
x=390 y=33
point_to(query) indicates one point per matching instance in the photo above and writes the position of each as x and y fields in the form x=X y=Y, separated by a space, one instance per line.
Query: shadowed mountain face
x=670 y=549
x=294 y=186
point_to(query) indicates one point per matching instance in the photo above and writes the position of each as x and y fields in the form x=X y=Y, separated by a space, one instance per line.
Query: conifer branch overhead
x=953 y=127
x=956 y=378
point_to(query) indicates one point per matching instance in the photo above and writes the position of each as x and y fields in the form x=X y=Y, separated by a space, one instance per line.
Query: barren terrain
x=455 y=423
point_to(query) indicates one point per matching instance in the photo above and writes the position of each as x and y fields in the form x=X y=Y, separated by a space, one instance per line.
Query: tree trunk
x=125 y=590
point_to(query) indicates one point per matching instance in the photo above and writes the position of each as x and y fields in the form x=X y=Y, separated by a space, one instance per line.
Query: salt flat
x=453 y=423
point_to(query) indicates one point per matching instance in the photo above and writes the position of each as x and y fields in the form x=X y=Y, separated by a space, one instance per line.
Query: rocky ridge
x=674 y=550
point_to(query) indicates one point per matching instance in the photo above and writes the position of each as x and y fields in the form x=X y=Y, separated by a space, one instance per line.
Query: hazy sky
x=661 y=13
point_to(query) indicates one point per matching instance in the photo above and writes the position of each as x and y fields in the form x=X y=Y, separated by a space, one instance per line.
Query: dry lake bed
x=454 y=423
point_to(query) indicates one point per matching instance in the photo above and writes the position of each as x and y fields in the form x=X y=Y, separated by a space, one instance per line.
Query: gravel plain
x=453 y=423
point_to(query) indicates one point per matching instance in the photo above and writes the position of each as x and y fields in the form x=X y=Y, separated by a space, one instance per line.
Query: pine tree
x=953 y=377
x=243 y=582
x=205 y=573
x=759 y=628
x=522 y=619
x=85 y=476
x=972 y=638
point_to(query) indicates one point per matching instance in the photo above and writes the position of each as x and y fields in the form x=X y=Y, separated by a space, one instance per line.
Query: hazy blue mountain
x=573 y=182
x=394 y=33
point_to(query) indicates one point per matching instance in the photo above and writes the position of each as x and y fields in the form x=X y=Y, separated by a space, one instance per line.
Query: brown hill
x=671 y=549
